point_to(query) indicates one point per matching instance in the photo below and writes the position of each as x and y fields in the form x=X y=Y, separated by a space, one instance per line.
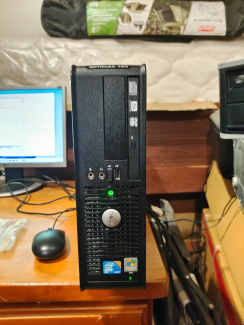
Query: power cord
x=204 y=310
x=216 y=220
x=62 y=184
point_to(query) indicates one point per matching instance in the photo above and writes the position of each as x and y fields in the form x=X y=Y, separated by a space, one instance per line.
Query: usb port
x=117 y=173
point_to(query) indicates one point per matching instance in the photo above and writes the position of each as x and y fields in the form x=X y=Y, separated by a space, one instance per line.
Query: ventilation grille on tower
x=124 y=240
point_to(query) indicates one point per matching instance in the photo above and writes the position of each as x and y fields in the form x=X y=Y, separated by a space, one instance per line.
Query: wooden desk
x=35 y=292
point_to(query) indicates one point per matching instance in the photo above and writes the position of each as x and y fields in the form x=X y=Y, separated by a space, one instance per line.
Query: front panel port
x=101 y=176
x=117 y=173
x=91 y=175
x=109 y=173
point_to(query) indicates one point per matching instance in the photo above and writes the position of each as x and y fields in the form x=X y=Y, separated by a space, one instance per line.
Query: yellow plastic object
x=226 y=235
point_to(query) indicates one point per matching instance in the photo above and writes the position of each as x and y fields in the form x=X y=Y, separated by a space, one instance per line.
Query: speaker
x=231 y=84
x=109 y=132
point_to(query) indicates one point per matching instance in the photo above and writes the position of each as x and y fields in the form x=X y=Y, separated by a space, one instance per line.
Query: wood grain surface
x=78 y=314
x=178 y=151
x=25 y=279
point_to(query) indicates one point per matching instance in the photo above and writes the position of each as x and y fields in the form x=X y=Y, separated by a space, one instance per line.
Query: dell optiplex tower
x=109 y=132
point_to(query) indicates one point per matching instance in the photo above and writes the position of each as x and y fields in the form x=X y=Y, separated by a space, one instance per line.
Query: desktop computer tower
x=231 y=86
x=109 y=132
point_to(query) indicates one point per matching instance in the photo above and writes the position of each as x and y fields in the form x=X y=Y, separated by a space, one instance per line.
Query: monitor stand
x=16 y=184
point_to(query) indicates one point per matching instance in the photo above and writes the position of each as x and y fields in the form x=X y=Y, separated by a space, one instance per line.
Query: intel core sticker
x=111 y=267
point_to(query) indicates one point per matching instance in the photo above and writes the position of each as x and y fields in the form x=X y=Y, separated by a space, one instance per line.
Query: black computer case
x=109 y=131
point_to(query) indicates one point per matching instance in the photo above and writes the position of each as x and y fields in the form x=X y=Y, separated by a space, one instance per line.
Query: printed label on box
x=156 y=17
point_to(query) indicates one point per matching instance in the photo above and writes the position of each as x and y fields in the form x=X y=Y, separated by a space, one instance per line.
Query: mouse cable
x=58 y=216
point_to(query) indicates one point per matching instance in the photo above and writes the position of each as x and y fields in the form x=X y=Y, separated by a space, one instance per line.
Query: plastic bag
x=9 y=229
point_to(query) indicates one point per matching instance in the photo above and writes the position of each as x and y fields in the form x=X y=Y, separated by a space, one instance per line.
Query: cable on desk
x=27 y=197
x=62 y=184
x=58 y=216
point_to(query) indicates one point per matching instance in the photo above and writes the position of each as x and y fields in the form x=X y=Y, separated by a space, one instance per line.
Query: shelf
x=178 y=151
x=187 y=106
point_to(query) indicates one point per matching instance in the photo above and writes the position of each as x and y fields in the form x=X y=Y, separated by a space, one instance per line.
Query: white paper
x=206 y=18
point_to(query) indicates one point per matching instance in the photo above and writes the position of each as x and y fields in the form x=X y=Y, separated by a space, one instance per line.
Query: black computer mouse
x=48 y=244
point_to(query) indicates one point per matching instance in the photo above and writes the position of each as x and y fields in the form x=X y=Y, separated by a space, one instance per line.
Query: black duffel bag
x=163 y=19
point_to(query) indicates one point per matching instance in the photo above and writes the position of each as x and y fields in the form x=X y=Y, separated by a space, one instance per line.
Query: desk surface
x=25 y=279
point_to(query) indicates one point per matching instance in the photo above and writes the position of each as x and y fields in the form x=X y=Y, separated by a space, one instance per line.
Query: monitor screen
x=32 y=128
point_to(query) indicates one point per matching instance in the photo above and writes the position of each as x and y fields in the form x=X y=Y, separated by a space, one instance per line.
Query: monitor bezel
x=43 y=165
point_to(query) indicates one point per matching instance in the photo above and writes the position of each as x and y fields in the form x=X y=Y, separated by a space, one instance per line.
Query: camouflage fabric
x=67 y=18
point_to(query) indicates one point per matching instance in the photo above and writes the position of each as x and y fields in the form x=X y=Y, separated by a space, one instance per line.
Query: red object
x=230 y=314
x=206 y=28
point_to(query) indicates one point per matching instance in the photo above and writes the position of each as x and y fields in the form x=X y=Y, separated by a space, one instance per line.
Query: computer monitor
x=32 y=134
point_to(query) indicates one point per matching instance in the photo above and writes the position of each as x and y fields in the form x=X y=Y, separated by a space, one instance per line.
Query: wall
x=20 y=18
x=178 y=152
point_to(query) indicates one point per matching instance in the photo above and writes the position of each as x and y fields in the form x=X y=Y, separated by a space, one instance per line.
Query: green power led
x=130 y=277
x=110 y=193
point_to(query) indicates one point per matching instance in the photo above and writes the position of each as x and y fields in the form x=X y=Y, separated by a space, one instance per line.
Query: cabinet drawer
x=76 y=315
